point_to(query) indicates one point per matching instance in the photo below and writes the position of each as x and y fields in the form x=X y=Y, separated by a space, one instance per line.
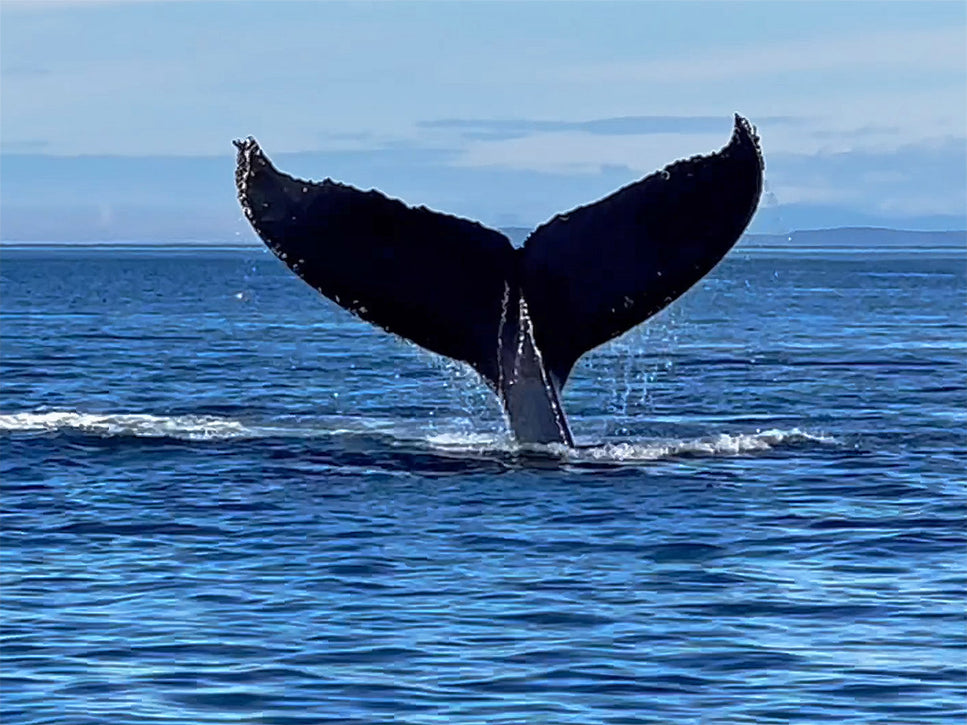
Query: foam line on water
x=194 y=427
x=208 y=428
x=140 y=425
x=723 y=444
x=199 y=427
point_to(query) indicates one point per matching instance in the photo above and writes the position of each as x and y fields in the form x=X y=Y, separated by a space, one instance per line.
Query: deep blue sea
x=225 y=500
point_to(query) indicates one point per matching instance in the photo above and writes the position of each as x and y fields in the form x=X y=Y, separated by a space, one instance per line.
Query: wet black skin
x=454 y=286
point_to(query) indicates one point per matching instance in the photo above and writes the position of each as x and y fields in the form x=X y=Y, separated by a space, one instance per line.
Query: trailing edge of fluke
x=520 y=317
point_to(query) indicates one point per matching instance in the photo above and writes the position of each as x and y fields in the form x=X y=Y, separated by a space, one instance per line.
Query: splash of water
x=500 y=336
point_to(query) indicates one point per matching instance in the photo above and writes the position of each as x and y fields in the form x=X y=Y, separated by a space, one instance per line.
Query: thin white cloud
x=579 y=152
x=903 y=205
x=934 y=50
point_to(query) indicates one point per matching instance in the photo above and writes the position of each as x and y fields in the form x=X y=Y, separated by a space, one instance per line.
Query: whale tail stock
x=520 y=317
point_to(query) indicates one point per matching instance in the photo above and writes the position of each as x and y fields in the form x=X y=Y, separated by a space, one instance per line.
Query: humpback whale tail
x=520 y=317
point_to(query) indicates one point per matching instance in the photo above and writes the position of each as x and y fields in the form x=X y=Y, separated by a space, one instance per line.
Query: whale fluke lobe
x=432 y=278
x=520 y=317
x=597 y=271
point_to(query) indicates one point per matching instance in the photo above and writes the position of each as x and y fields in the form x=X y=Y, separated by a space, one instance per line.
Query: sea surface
x=225 y=500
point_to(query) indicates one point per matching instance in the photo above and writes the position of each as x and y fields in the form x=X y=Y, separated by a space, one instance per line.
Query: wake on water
x=201 y=428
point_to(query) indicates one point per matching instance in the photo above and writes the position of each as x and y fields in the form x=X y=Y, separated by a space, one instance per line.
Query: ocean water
x=226 y=500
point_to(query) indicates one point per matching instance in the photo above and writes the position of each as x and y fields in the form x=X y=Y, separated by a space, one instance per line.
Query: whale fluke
x=520 y=317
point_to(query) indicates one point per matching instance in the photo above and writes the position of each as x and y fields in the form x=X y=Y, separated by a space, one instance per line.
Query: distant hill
x=837 y=238
x=859 y=237
x=210 y=230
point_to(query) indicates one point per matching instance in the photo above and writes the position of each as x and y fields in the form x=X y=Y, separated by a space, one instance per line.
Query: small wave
x=212 y=428
x=471 y=441
x=141 y=425
x=722 y=444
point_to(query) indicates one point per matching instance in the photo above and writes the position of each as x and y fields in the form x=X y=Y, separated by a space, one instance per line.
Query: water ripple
x=283 y=517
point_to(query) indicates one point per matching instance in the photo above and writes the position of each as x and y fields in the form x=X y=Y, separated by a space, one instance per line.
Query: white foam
x=190 y=427
x=723 y=444
x=471 y=441
x=205 y=427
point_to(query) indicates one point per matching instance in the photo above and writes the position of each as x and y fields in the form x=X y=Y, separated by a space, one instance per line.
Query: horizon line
x=255 y=243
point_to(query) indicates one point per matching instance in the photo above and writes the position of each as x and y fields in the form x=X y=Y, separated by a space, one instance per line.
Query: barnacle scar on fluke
x=520 y=317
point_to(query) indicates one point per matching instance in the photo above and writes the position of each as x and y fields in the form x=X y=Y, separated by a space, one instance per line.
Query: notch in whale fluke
x=520 y=317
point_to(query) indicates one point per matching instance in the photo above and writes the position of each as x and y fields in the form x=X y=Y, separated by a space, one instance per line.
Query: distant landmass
x=859 y=237
x=836 y=238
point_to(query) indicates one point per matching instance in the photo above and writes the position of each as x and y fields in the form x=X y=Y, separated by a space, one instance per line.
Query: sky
x=116 y=118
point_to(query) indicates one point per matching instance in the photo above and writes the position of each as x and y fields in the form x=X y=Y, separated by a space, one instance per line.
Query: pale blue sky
x=501 y=111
